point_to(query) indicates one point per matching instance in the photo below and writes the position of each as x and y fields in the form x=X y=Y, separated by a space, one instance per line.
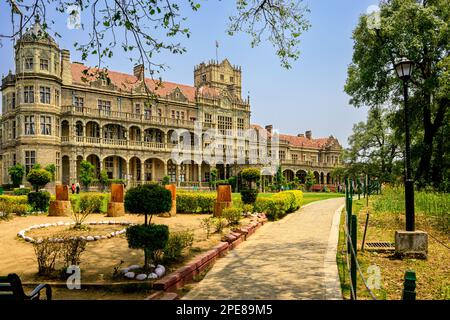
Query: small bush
x=71 y=250
x=39 y=178
x=178 y=243
x=247 y=208
x=20 y=209
x=249 y=196
x=232 y=215
x=93 y=202
x=207 y=224
x=279 y=204
x=151 y=237
x=148 y=199
x=39 y=201
x=219 y=224
x=21 y=191
x=5 y=211
x=46 y=253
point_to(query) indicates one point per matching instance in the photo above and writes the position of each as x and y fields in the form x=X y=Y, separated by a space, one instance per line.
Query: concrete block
x=411 y=243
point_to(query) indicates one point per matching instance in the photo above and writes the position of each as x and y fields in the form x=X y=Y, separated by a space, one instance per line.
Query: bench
x=11 y=289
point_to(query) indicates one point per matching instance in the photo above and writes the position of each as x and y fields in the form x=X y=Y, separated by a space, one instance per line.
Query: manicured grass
x=307 y=196
x=433 y=281
x=316 y=196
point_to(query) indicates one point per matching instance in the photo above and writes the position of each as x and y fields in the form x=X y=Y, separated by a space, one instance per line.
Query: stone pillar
x=116 y=206
x=199 y=173
x=173 y=190
x=61 y=206
x=73 y=169
x=177 y=175
x=142 y=171
x=188 y=172
x=153 y=171
x=223 y=199
x=165 y=168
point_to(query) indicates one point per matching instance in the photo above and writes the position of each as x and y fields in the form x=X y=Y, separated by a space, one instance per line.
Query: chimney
x=269 y=128
x=308 y=134
x=138 y=71
x=301 y=135
x=66 y=72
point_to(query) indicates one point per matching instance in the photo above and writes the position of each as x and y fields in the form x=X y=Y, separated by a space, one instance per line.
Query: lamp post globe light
x=409 y=241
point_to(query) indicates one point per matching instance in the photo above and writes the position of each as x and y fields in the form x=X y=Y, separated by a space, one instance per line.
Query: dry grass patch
x=433 y=274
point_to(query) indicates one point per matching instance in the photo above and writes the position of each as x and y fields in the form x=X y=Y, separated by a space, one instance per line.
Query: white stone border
x=22 y=233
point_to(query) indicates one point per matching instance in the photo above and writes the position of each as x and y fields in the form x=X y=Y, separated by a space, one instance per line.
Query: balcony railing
x=308 y=163
x=119 y=115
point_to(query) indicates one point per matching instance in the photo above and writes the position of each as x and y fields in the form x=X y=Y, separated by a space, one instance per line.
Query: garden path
x=294 y=258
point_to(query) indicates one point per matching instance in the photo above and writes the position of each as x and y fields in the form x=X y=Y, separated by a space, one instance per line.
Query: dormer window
x=104 y=82
x=222 y=77
x=28 y=63
x=44 y=64
x=231 y=79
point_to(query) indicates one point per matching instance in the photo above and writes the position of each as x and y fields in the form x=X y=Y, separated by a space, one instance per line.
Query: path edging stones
x=197 y=265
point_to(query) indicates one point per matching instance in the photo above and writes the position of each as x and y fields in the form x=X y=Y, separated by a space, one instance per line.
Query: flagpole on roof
x=217 y=51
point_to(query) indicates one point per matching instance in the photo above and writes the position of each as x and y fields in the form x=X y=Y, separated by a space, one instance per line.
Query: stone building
x=129 y=125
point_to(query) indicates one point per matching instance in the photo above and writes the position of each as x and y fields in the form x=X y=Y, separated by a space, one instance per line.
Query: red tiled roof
x=315 y=143
x=127 y=82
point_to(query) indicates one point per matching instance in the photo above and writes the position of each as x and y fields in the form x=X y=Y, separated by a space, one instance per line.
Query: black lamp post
x=404 y=70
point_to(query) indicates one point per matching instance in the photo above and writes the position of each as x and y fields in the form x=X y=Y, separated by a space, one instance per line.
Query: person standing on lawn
x=78 y=187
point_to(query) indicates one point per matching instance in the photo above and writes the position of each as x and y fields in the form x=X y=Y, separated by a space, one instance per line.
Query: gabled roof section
x=128 y=82
x=299 y=142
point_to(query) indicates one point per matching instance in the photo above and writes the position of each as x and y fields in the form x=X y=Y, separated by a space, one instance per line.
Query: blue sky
x=309 y=96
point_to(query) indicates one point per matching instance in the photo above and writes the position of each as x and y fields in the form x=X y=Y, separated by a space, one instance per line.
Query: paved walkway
x=293 y=258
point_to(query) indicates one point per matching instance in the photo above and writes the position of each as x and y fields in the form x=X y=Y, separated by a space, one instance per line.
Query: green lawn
x=309 y=197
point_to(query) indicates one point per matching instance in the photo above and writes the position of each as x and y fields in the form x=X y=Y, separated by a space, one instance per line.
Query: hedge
x=14 y=199
x=280 y=204
x=195 y=202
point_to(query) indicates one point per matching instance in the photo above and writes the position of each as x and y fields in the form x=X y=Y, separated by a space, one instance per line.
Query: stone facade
x=53 y=113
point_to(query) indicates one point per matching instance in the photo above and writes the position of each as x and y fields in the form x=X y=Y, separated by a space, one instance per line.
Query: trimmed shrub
x=39 y=178
x=21 y=191
x=279 y=204
x=148 y=199
x=151 y=237
x=249 y=196
x=195 y=202
x=232 y=215
x=14 y=199
x=178 y=243
x=39 y=201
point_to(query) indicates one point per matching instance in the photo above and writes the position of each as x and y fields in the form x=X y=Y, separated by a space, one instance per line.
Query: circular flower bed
x=22 y=233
